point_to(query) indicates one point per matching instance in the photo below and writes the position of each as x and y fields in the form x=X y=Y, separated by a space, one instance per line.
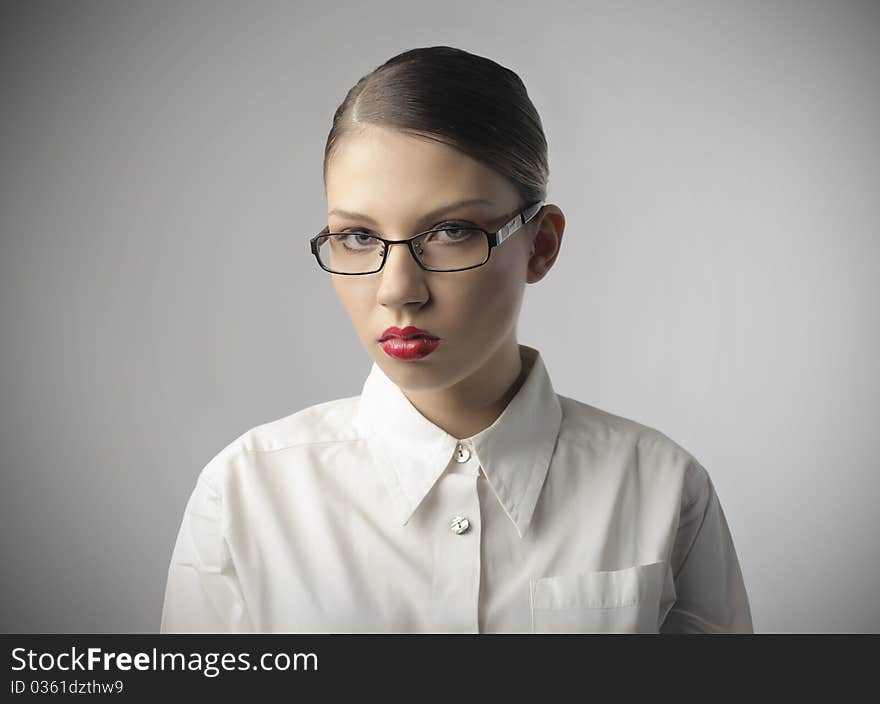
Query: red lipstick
x=408 y=343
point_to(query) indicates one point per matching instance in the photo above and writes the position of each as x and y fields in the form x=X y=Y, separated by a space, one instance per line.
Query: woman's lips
x=412 y=348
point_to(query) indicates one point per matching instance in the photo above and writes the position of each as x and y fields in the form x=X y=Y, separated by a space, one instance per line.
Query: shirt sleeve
x=710 y=593
x=203 y=593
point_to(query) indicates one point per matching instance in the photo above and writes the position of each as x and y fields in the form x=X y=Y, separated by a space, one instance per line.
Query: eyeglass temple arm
x=521 y=220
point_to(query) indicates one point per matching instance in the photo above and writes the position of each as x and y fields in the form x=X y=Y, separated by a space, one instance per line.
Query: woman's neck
x=475 y=402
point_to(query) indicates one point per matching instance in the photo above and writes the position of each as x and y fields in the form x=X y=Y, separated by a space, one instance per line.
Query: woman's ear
x=549 y=232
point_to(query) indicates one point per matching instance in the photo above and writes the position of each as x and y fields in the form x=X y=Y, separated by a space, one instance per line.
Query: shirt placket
x=456 y=584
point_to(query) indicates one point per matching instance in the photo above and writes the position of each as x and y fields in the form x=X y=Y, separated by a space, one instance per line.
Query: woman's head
x=429 y=128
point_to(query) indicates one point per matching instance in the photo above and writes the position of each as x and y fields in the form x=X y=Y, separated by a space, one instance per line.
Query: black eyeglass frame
x=494 y=238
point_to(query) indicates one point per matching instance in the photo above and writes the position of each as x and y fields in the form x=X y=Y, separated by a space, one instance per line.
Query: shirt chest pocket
x=634 y=599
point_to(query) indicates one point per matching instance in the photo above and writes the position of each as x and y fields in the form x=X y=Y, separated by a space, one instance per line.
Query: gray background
x=161 y=173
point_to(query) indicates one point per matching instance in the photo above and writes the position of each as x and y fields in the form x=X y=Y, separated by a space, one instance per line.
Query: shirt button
x=460 y=525
x=462 y=454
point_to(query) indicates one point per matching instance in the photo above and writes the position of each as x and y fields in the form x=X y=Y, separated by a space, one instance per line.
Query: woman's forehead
x=437 y=212
x=388 y=171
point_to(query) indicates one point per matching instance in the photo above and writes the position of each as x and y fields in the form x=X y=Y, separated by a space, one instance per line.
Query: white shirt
x=360 y=515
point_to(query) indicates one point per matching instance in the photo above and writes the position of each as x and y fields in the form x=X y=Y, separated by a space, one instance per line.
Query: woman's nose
x=400 y=258
x=402 y=277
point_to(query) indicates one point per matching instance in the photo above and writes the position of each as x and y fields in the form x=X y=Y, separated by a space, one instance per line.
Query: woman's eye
x=454 y=234
x=456 y=230
x=359 y=238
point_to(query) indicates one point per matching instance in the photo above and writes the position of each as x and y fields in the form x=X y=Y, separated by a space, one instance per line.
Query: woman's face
x=395 y=180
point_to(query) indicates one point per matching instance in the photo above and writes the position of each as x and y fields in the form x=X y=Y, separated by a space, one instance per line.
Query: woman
x=458 y=492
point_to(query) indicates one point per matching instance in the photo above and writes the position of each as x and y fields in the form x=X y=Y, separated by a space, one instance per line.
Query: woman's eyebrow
x=438 y=212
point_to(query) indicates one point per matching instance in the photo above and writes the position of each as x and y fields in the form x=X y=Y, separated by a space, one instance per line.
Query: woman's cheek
x=355 y=301
x=499 y=296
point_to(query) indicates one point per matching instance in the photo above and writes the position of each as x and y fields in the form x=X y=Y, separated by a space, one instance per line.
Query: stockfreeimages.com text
x=210 y=664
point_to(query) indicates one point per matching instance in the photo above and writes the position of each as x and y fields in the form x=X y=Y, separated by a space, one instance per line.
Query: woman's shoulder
x=325 y=422
x=584 y=421
x=611 y=434
x=328 y=421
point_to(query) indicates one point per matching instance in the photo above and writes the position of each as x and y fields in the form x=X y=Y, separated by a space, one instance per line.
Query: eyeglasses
x=443 y=249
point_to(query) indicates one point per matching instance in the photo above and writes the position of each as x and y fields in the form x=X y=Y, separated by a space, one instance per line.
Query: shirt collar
x=411 y=452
